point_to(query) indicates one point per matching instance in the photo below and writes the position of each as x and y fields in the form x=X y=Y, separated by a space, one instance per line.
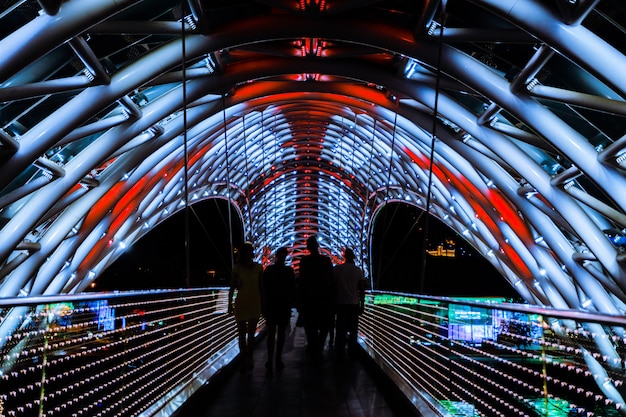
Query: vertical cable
x=432 y=157
x=265 y=204
x=386 y=198
x=350 y=142
x=369 y=170
x=245 y=157
x=276 y=191
x=393 y=144
x=185 y=150
x=340 y=186
x=230 y=215
x=354 y=136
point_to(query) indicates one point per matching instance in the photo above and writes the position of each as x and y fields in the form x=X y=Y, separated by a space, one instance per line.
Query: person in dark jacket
x=349 y=301
x=316 y=296
x=279 y=287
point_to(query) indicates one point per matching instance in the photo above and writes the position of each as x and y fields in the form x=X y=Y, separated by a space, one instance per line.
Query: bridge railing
x=144 y=353
x=461 y=357
x=119 y=354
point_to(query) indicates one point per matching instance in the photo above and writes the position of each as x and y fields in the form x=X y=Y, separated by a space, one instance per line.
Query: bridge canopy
x=504 y=119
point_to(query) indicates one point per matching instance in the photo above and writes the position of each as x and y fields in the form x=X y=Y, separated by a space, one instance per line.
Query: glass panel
x=121 y=354
x=485 y=357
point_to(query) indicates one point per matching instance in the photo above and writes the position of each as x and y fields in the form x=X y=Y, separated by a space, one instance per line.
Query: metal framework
x=310 y=116
x=506 y=117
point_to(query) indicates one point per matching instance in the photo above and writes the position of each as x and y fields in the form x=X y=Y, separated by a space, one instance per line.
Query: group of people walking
x=329 y=300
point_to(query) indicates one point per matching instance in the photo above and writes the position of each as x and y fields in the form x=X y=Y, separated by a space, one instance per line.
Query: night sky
x=398 y=258
x=159 y=259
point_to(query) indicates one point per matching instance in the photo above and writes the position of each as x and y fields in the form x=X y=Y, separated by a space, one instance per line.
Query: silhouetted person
x=316 y=295
x=279 y=286
x=246 y=279
x=349 y=301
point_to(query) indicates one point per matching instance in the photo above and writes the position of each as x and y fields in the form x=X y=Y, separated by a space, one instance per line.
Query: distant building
x=446 y=249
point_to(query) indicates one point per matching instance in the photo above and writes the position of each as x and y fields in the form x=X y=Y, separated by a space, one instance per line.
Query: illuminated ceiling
x=310 y=115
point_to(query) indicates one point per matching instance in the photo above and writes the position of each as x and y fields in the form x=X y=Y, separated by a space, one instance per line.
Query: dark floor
x=306 y=387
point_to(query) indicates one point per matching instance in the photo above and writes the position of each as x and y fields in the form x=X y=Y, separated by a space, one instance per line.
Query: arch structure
x=504 y=119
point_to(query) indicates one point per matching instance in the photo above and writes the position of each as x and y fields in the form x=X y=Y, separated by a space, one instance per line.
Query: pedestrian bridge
x=503 y=119
x=147 y=354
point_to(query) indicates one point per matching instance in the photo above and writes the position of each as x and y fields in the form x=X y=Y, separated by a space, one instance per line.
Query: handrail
x=579 y=315
x=586 y=316
x=144 y=352
x=59 y=298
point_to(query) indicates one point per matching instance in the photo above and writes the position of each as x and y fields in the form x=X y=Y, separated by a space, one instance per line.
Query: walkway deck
x=306 y=387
